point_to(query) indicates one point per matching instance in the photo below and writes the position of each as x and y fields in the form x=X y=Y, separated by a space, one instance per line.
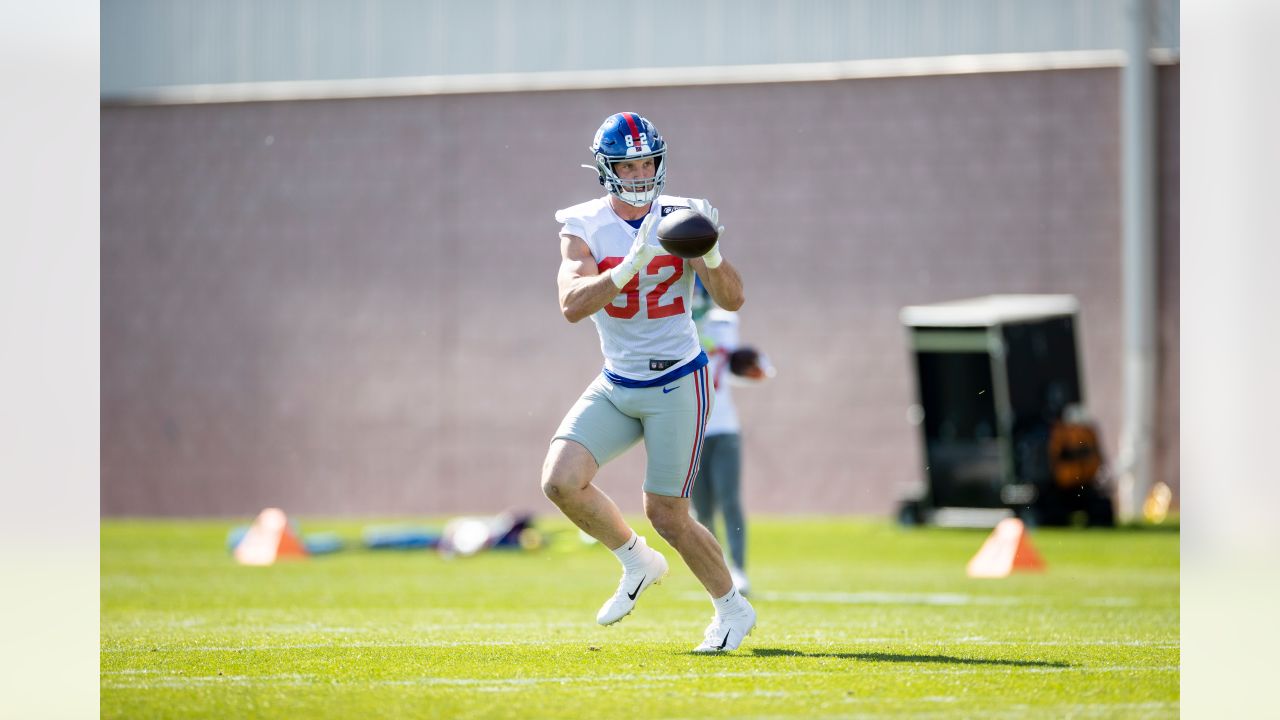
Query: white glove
x=641 y=252
x=712 y=258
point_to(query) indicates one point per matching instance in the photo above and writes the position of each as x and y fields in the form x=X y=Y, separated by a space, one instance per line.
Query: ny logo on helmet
x=637 y=145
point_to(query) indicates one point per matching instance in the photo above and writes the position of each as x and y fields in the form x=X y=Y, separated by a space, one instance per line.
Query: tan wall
x=349 y=306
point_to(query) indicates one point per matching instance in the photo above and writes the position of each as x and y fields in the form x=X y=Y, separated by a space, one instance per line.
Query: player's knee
x=567 y=470
x=555 y=485
x=670 y=524
x=559 y=481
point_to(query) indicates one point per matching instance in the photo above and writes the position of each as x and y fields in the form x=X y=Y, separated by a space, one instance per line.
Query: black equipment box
x=997 y=378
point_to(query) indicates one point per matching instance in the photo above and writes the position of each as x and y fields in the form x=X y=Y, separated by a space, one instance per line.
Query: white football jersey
x=648 y=330
x=719 y=329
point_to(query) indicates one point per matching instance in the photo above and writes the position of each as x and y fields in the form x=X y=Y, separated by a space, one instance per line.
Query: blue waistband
x=676 y=374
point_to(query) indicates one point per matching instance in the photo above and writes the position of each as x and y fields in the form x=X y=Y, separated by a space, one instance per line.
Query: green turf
x=857 y=618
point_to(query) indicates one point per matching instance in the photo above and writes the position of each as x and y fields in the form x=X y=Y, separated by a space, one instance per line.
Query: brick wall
x=350 y=307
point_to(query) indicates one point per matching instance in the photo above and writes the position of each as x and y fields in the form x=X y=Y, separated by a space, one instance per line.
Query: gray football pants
x=718 y=488
x=608 y=419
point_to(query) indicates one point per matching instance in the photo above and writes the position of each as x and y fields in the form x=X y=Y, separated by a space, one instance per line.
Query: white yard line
x=1070 y=643
x=211 y=624
x=295 y=679
x=887 y=598
x=314 y=646
x=902 y=598
x=1014 y=711
x=824 y=642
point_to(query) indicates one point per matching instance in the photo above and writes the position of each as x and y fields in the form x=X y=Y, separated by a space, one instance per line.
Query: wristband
x=640 y=255
x=622 y=274
x=712 y=258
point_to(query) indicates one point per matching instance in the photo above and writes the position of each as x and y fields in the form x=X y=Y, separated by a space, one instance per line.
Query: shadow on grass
x=895 y=657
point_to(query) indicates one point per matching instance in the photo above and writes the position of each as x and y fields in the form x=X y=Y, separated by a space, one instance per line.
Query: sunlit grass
x=857 y=618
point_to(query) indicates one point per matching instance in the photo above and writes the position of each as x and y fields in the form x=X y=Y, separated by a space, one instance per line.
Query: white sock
x=633 y=552
x=729 y=604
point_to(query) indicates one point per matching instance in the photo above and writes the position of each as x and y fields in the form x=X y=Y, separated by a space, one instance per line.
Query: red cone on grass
x=270 y=538
x=1006 y=550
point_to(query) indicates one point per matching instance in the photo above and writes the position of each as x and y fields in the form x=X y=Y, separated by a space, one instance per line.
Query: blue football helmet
x=627 y=136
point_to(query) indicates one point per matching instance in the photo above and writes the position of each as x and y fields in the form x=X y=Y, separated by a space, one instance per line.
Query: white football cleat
x=727 y=633
x=632 y=584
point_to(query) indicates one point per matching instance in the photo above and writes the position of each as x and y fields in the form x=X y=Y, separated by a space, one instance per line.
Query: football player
x=655 y=384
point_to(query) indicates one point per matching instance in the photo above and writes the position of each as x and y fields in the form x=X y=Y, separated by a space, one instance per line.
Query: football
x=687 y=233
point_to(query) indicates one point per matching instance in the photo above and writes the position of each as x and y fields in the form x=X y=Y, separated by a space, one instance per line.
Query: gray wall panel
x=149 y=43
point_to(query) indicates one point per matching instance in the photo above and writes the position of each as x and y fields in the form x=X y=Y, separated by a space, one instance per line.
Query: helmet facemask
x=640 y=191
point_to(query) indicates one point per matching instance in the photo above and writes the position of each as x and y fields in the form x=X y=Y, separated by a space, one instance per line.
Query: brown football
x=687 y=233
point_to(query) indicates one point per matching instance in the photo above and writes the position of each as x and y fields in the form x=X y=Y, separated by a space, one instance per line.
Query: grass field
x=857 y=618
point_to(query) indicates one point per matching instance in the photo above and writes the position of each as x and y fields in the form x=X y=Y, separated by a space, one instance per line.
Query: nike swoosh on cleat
x=667 y=390
x=725 y=641
x=633 y=595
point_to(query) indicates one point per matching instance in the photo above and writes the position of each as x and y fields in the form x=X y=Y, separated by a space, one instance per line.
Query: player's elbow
x=571 y=313
x=733 y=302
x=567 y=308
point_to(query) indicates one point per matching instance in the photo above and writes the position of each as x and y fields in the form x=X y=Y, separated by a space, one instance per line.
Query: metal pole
x=1136 y=439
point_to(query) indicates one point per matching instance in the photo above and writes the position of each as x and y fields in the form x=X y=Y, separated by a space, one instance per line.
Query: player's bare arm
x=583 y=288
x=723 y=282
x=718 y=275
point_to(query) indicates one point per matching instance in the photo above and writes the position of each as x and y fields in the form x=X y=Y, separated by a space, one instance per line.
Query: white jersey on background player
x=720 y=327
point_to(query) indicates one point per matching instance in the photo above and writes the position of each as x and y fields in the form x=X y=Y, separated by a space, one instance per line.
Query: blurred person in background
x=655 y=383
x=719 y=483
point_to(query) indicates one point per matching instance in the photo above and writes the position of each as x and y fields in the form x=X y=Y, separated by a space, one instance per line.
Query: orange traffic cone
x=1007 y=549
x=268 y=539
